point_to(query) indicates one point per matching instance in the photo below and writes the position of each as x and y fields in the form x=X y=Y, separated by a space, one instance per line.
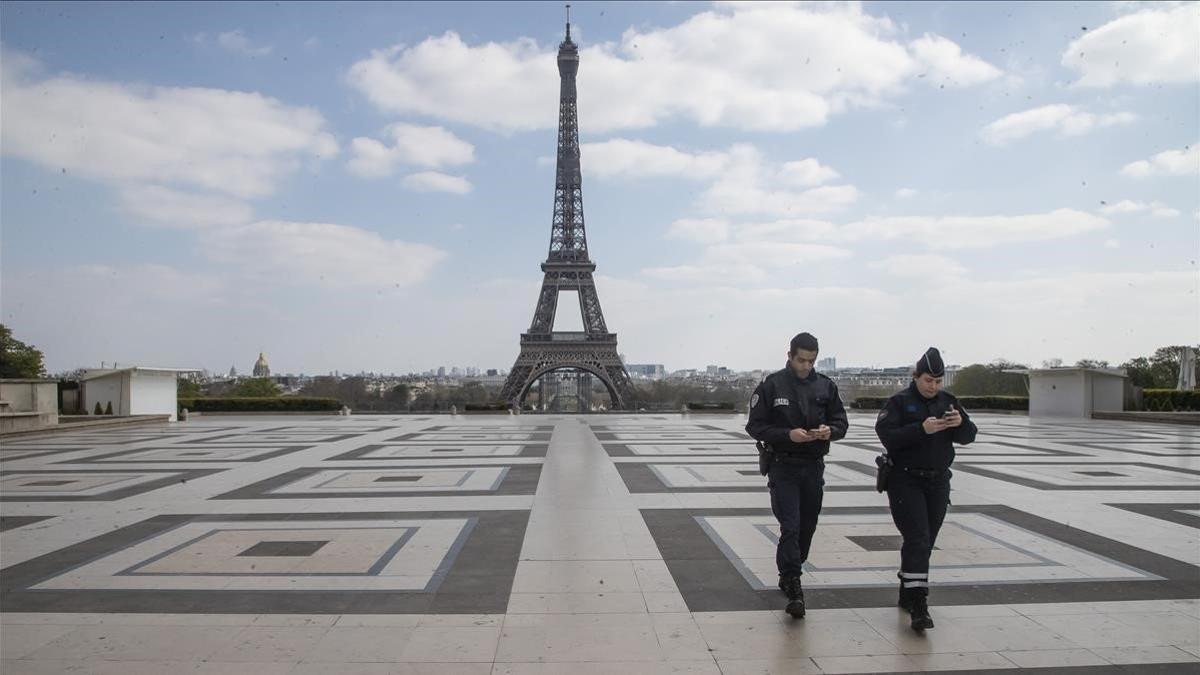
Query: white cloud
x=432 y=147
x=322 y=254
x=1067 y=120
x=806 y=173
x=944 y=62
x=747 y=262
x=1124 y=206
x=1112 y=243
x=1128 y=206
x=1166 y=163
x=906 y=193
x=624 y=158
x=736 y=195
x=919 y=266
x=703 y=230
x=164 y=206
x=434 y=181
x=689 y=322
x=743 y=181
x=237 y=42
x=1156 y=45
x=745 y=186
x=959 y=232
x=238 y=143
x=768 y=67
x=935 y=232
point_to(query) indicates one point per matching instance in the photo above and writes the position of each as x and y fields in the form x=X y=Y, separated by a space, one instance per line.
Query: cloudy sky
x=369 y=186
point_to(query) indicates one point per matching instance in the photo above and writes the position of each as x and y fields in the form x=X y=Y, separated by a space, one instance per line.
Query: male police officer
x=797 y=412
x=919 y=427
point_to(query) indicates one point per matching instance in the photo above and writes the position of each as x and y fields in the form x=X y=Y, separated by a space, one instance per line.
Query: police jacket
x=783 y=401
x=899 y=429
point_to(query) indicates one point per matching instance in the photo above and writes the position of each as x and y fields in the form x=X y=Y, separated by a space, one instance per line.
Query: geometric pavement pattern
x=560 y=543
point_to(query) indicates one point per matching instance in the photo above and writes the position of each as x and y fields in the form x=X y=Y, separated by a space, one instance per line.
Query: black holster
x=765 y=455
x=881 y=475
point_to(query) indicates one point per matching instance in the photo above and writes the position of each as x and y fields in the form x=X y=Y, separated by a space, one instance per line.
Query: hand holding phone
x=952 y=418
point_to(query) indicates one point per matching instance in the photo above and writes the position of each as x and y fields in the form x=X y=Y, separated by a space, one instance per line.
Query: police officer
x=919 y=427
x=797 y=412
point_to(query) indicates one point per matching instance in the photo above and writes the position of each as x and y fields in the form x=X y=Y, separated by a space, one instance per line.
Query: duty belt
x=927 y=474
x=796 y=458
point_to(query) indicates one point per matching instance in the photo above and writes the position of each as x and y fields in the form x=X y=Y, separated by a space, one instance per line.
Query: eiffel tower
x=568 y=268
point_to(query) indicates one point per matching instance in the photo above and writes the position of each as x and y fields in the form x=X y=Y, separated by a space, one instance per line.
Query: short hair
x=804 y=341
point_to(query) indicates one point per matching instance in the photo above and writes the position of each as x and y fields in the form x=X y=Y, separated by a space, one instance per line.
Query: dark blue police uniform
x=919 y=484
x=784 y=401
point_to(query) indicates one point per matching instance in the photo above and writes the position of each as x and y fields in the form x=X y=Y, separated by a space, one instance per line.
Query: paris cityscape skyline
x=928 y=174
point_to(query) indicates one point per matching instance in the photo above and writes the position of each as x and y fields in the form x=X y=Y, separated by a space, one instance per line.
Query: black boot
x=795 y=595
x=905 y=601
x=919 y=611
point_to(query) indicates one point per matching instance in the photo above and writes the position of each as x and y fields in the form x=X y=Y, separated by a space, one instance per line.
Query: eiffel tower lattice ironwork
x=568 y=268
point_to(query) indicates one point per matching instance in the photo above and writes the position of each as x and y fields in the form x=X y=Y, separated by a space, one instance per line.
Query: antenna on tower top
x=568 y=23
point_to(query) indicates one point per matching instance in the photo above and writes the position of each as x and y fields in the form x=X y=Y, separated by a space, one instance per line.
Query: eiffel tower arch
x=568 y=268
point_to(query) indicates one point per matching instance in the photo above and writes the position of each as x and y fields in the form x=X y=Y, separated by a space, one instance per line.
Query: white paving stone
x=588 y=591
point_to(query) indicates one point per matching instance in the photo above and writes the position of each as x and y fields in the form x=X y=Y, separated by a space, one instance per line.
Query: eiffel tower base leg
x=539 y=357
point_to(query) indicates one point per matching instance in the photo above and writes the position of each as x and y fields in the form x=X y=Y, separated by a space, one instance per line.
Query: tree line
x=1156 y=371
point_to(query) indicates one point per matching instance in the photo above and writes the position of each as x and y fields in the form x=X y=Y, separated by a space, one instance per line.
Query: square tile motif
x=692 y=449
x=88 y=485
x=731 y=477
x=13 y=522
x=1079 y=476
x=446 y=438
x=408 y=481
x=694 y=437
x=301 y=549
x=724 y=560
x=1159 y=448
x=291 y=437
x=176 y=455
x=448 y=449
x=1181 y=513
x=399 y=563
x=853 y=550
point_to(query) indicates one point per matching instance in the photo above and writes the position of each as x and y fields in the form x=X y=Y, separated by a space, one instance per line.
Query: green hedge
x=1170 y=400
x=281 y=404
x=968 y=402
x=692 y=405
x=472 y=407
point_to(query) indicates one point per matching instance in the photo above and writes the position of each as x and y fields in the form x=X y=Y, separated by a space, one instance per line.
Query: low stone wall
x=68 y=423
x=27 y=405
x=1189 y=418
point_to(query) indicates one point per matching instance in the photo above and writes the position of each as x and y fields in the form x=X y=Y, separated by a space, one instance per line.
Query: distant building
x=1074 y=392
x=827 y=364
x=134 y=390
x=653 y=371
x=713 y=370
x=232 y=371
x=261 y=369
x=441 y=371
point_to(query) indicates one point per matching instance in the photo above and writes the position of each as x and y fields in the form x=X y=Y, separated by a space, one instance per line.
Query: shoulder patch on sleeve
x=882 y=415
x=754 y=400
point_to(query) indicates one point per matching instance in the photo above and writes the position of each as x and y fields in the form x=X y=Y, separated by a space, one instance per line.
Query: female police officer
x=919 y=427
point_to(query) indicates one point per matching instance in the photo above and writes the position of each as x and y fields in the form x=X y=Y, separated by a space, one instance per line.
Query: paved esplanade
x=603 y=544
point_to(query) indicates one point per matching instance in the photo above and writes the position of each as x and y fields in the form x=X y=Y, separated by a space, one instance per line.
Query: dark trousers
x=918 y=509
x=796 y=494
